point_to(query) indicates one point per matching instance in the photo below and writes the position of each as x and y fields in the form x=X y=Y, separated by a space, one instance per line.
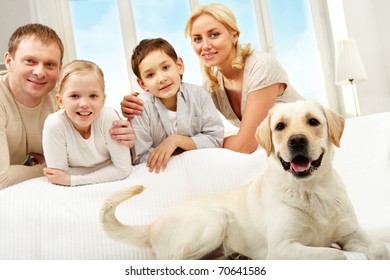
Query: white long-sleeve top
x=94 y=160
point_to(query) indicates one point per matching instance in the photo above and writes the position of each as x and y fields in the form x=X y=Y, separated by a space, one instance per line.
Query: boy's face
x=83 y=98
x=161 y=76
x=33 y=70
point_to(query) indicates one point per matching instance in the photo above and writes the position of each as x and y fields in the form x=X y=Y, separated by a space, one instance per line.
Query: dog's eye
x=313 y=122
x=280 y=126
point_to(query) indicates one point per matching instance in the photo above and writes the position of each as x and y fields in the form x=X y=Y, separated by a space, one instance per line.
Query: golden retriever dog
x=298 y=209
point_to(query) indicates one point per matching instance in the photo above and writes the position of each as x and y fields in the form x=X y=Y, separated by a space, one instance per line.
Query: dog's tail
x=137 y=235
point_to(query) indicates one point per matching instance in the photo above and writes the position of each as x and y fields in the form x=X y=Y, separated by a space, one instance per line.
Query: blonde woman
x=243 y=83
x=76 y=141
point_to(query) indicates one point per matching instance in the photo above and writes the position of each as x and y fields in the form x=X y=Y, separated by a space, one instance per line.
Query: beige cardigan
x=20 y=134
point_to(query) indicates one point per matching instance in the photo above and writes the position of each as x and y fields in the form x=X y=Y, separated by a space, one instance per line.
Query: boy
x=177 y=116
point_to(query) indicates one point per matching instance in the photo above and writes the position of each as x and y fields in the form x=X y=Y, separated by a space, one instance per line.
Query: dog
x=297 y=209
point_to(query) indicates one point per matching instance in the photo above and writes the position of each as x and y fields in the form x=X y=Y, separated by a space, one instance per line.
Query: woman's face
x=212 y=41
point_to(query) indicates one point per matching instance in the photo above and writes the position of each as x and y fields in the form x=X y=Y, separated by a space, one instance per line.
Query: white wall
x=12 y=15
x=368 y=22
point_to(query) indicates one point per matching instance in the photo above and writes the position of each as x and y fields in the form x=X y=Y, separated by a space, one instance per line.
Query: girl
x=76 y=141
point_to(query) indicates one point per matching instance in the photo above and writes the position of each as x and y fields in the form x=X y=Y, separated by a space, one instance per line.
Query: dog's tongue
x=300 y=164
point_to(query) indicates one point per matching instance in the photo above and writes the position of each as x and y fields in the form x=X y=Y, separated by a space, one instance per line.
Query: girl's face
x=83 y=98
x=161 y=76
x=212 y=41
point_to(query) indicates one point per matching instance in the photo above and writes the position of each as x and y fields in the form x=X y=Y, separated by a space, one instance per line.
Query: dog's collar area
x=301 y=166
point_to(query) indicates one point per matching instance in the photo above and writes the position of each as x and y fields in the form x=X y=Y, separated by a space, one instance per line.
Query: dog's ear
x=335 y=126
x=263 y=135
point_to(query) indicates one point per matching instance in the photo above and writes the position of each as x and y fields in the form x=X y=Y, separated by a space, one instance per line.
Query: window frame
x=59 y=19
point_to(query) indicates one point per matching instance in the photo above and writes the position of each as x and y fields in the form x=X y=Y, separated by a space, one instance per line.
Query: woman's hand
x=257 y=106
x=56 y=176
x=131 y=105
x=240 y=143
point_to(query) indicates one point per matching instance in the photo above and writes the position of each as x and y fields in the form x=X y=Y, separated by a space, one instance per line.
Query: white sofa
x=39 y=220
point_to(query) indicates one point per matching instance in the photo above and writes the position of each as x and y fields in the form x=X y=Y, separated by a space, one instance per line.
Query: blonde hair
x=34 y=30
x=225 y=16
x=78 y=67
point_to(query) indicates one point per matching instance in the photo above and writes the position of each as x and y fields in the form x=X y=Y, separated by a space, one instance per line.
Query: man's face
x=34 y=70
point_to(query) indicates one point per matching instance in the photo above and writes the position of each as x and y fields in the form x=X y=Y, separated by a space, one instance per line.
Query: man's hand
x=131 y=105
x=56 y=176
x=34 y=158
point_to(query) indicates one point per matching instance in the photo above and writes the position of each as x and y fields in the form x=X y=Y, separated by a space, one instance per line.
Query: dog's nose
x=297 y=141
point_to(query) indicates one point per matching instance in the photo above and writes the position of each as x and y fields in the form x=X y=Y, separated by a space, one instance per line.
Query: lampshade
x=349 y=64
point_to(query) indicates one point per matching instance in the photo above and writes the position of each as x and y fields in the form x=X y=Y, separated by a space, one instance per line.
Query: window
x=296 y=47
x=98 y=37
x=167 y=19
x=102 y=29
x=244 y=12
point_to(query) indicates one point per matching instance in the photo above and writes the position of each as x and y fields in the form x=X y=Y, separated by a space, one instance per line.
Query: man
x=27 y=97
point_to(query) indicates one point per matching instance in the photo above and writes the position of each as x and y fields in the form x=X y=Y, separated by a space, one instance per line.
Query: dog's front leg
x=287 y=250
x=359 y=241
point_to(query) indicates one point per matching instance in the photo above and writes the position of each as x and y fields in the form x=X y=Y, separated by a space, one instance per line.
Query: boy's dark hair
x=147 y=46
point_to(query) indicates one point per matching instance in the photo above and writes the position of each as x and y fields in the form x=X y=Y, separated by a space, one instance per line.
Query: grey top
x=197 y=118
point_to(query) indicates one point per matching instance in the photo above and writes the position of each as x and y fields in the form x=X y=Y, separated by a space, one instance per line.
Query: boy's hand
x=122 y=132
x=56 y=176
x=131 y=105
x=160 y=156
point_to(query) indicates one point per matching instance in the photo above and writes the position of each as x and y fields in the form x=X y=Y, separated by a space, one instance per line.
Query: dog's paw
x=237 y=256
x=377 y=251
